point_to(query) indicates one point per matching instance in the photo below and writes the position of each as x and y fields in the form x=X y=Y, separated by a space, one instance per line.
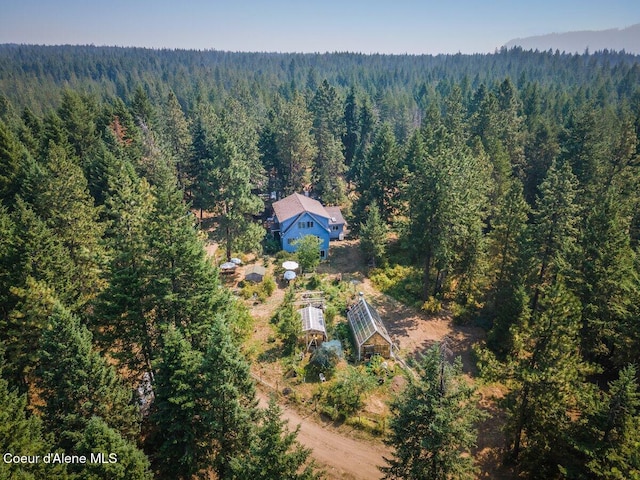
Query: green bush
x=270 y=245
x=323 y=361
x=432 y=305
x=342 y=332
x=260 y=291
x=346 y=393
x=269 y=285
x=404 y=283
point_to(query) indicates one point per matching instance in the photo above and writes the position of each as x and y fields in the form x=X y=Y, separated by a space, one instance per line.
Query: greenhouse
x=313 y=326
x=369 y=333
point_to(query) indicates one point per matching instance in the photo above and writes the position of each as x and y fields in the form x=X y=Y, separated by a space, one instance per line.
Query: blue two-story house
x=298 y=215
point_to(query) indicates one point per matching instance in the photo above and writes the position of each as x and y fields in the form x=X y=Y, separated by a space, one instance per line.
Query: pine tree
x=350 y=137
x=122 y=459
x=229 y=387
x=508 y=249
x=204 y=404
x=239 y=117
x=76 y=383
x=125 y=305
x=9 y=260
x=373 y=237
x=367 y=121
x=614 y=430
x=178 y=139
x=141 y=107
x=381 y=174
x=447 y=203
x=328 y=129
x=433 y=429
x=20 y=434
x=182 y=440
x=182 y=283
x=293 y=143
x=554 y=228
x=10 y=163
x=275 y=453
x=233 y=200
x=77 y=114
x=63 y=202
x=23 y=329
x=541 y=149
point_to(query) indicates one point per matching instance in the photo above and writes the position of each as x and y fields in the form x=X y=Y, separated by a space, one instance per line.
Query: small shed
x=313 y=326
x=255 y=273
x=370 y=335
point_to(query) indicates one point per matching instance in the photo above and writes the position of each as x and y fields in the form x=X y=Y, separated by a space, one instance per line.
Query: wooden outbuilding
x=369 y=332
x=255 y=273
x=313 y=326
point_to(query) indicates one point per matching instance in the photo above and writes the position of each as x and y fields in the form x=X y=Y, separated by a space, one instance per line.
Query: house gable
x=297 y=215
x=302 y=225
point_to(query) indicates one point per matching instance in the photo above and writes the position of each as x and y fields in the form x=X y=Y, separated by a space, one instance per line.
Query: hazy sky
x=368 y=26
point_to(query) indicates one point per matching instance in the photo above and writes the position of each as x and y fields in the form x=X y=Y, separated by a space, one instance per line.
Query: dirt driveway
x=339 y=456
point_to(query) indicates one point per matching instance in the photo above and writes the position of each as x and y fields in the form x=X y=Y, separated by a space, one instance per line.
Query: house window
x=335 y=228
x=323 y=254
x=290 y=241
x=302 y=225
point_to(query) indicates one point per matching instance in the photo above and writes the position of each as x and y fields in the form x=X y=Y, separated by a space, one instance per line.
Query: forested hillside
x=501 y=188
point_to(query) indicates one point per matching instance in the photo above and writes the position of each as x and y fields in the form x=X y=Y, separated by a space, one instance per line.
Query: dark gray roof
x=365 y=321
x=335 y=216
x=258 y=269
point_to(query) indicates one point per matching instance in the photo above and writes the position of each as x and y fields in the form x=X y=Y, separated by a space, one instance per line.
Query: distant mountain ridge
x=627 y=39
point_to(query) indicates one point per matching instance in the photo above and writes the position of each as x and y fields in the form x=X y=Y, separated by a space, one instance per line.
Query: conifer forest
x=500 y=191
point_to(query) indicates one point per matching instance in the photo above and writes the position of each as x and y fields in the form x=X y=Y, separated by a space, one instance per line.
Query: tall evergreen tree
x=433 y=427
x=613 y=431
x=546 y=375
x=380 y=174
x=62 y=200
x=10 y=163
x=20 y=434
x=78 y=116
x=508 y=249
x=447 y=201
x=76 y=383
x=555 y=229
x=352 y=130
x=293 y=143
x=181 y=281
x=178 y=139
x=328 y=129
x=182 y=440
x=231 y=412
x=373 y=237
x=275 y=453
x=233 y=199
x=125 y=305
x=367 y=121
x=122 y=459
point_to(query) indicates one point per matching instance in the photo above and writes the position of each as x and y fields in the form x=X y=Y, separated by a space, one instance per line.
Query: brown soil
x=338 y=455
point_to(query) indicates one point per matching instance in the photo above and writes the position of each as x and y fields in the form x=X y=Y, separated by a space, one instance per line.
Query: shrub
x=432 y=305
x=323 y=360
x=270 y=244
x=269 y=285
x=346 y=393
x=404 y=283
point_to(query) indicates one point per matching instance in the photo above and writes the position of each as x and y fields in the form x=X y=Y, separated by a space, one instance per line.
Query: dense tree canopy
x=506 y=185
